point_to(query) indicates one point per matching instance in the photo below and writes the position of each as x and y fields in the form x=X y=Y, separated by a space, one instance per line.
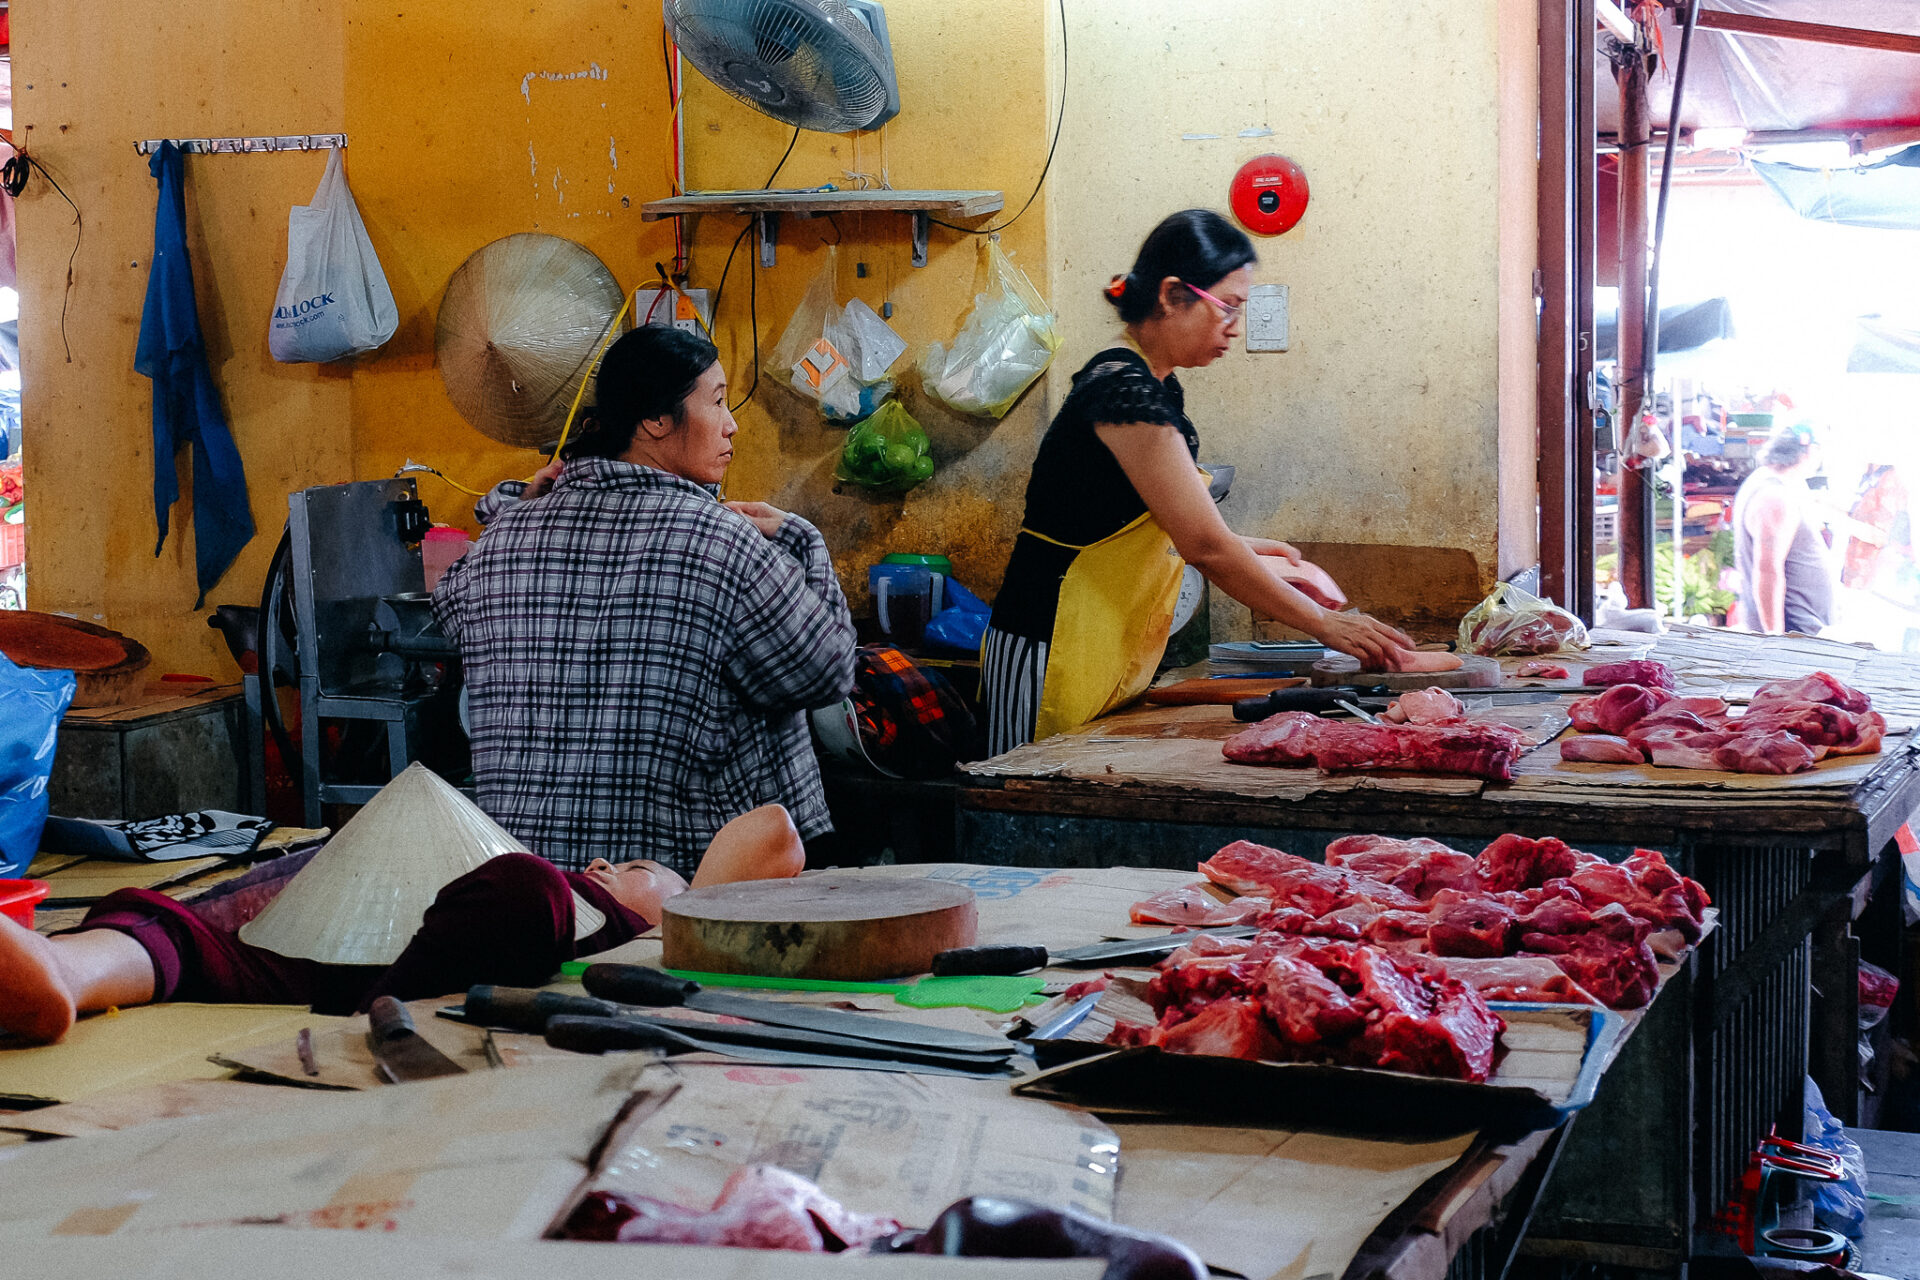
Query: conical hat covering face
x=363 y=896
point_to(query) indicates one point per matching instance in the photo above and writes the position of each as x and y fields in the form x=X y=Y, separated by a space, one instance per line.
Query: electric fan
x=817 y=64
x=520 y=323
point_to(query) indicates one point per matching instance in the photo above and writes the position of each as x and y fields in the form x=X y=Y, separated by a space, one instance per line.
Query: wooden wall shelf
x=765 y=207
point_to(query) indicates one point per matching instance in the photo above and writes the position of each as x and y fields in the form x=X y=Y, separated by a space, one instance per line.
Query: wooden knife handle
x=388 y=1019
x=610 y=1035
x=1003 y=959
x=636 y=984
x=529 y=1009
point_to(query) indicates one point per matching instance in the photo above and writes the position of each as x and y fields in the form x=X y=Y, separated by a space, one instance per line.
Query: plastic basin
x=17 y=899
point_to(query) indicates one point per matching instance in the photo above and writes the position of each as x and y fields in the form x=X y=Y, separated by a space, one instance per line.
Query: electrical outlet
x=661 y=306
x=1267 y=315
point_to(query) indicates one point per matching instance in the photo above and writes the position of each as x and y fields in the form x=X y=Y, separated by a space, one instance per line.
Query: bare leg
x=47 y=982
x=761 y=844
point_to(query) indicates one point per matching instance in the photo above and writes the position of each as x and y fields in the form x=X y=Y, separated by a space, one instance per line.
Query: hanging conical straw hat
x=517 y=330
x=362 y=897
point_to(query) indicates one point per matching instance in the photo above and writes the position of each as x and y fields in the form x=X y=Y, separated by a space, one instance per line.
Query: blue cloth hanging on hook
x=186 y=404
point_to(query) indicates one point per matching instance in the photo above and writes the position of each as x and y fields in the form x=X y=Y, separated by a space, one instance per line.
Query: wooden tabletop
x=1164 y=764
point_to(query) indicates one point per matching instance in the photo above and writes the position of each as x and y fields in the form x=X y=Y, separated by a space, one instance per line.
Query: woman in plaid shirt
x=639 y=656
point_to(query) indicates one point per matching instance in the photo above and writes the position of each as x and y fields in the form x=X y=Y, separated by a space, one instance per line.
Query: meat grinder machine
x=345 y=616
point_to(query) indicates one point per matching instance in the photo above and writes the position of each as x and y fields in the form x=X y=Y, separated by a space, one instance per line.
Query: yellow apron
x=1116 y=610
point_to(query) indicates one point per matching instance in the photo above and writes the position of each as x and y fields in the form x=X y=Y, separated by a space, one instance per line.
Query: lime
x=901 y=457
x=922 y=469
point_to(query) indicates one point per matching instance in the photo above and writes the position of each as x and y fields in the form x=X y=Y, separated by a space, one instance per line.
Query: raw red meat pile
x=1642 y=671
x=1418 y=897
x=1296 y=999
x=1449 y=746
x=1788 y=726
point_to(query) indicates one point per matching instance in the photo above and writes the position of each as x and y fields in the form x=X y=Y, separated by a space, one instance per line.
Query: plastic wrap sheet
x=1767 y=84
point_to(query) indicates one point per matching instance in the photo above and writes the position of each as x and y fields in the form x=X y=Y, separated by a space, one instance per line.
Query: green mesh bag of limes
x=886 y=452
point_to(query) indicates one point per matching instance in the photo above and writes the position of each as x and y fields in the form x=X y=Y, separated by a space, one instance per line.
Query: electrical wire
x=783 y=157
x=753 y=322
x=411 y=467
x=14 y=174
x=1054 y=146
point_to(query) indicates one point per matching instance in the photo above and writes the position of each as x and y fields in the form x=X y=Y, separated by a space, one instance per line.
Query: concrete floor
x=1891 y=1246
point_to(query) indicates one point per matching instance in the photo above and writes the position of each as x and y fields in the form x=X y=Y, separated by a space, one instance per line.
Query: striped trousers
x=1013 y=670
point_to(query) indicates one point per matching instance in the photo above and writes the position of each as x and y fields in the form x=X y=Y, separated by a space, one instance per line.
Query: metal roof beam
x=1813 y=32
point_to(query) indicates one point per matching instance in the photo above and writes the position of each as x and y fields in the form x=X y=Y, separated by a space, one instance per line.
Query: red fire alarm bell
x=1269 y=194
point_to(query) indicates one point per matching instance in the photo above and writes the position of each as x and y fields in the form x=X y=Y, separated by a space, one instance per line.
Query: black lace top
x=1078 y=494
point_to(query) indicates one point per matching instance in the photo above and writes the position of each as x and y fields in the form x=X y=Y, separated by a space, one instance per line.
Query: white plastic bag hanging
x=1008 y=341
x=333 y=300
x=832 y=354
x=806 y=359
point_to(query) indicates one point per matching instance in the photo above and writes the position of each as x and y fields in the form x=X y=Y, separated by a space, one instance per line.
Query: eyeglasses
x=1228 y=312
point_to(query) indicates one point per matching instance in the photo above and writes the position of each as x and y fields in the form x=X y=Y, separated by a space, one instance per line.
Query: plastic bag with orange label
x=829 y=353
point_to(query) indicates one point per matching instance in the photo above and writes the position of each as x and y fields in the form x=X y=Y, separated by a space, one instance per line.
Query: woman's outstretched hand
x=1376 y=644
x=764 y=516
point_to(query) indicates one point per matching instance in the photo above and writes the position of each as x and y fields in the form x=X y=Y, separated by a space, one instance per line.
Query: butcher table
x=1794 y=863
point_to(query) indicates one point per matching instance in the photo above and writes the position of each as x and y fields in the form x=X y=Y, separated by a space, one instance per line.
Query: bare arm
x=1772 y=525
x=1155 y=459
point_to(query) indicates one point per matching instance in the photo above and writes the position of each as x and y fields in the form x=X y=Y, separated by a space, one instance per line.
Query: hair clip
x=1117 y=287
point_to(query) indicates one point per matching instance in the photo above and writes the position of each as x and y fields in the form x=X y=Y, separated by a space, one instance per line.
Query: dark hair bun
x=1195 y=245
x=648 y=373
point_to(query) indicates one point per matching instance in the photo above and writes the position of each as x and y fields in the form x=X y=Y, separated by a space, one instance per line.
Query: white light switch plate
x=1267 y=318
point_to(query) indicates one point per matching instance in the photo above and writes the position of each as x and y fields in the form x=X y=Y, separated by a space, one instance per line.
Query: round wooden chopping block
x=109 y=669
x=1475 y=672
x=831 y=925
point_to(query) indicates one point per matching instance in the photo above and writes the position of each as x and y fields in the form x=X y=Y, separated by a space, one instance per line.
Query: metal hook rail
x=242 y=146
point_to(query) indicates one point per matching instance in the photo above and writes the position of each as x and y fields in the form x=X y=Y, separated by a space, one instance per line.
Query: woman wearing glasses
x=1116 y=503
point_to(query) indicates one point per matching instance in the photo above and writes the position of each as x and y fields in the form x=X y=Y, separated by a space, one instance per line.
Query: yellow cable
x=613 y=331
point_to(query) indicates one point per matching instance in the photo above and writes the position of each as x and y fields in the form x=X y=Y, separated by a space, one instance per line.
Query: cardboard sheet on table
x=1053 y=908
x=1216 y=1187
x=342 y=1059
x=149 y=1045
x=1543 y=767
x=487 y=1156
x=328 y=1255
x=1196 y=766
x=123 y=1109
x=93 y=878
x=906 y=1146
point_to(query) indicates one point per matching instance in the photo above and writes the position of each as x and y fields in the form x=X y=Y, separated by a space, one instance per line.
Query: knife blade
x=614 y=1035
x=532 y=1010
x=1153 y=948
x=639 y=985
x=398 y=1048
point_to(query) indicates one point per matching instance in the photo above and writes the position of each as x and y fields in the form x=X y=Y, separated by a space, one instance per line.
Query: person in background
x=639 y=655
x=509 y=921
x=1879 y=508
x=1786 y=583
x=1117 y=502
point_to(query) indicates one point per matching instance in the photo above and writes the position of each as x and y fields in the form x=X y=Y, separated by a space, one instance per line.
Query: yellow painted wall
x=975 y=114
x=1380 y=424
x=472 y=122
x=469 y=123
x=90 y=77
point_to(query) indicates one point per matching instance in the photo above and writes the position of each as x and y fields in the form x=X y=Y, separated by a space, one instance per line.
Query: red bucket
x=18 y=896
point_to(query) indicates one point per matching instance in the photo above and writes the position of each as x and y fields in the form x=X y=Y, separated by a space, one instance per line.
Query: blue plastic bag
x=1837 y=1206
x=31 y=704
x=962 y=625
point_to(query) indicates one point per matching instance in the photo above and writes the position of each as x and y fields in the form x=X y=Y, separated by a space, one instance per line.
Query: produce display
x=1789 y=726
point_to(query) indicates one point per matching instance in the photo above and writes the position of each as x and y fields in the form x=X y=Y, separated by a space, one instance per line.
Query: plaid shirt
x=638 y=660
